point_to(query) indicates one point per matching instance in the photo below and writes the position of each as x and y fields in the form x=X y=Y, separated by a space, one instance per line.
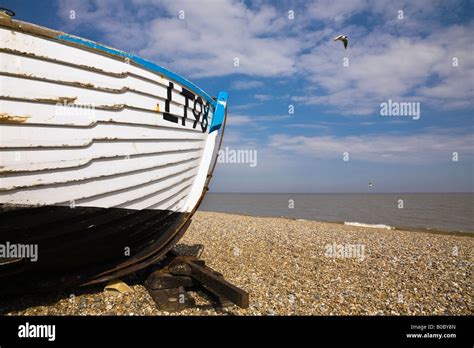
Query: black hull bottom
x=81 y=245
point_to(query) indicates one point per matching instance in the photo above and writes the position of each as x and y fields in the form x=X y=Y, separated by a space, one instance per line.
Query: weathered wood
x=172 y=300
x=179 y=265
x=186 y=271
x=218 y=285
x=180 y=268
x=160 y=280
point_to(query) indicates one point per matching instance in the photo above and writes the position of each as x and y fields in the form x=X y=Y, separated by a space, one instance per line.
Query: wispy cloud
x=254 y=120
x=238 y=120
x=246 y=84
x=396 y=58
x=383 y=66
x=215 y=38
x=246 y=106
x=432 y=146
x=307 y=126
x=263 y=97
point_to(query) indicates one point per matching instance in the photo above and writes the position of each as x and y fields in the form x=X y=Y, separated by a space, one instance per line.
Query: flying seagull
x=371 y=185
x=342 y=38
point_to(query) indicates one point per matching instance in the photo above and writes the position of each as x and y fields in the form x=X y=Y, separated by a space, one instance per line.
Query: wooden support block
x=180 y=265
x=167 y=284
x=180 y=268
x=214 y=282
x=161 y=280
x=172 y=300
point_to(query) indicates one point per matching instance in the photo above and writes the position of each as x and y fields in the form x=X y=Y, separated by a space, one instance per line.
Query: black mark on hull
x=166 y=115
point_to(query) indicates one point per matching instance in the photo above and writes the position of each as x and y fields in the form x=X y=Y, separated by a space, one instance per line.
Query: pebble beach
x=299 y=267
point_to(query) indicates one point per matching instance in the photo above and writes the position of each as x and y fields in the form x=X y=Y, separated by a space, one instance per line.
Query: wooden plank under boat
x=104 y=157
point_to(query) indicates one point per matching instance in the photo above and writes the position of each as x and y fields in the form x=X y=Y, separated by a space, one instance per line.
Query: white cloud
x=335 y=11
x=272 y=118
x=406 y=60
x=307 y=126
x=205 y=43
x=246 y=106
x=254 y=120
x=431 y=146
x=238 y=120
x=263 y=97
x=383 y=66
x=246 y=84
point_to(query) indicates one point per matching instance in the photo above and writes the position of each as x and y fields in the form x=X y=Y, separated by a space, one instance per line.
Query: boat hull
x=104 y=157
x=82 y=245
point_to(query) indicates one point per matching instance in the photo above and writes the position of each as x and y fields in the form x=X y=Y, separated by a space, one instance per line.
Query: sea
x=433 y=211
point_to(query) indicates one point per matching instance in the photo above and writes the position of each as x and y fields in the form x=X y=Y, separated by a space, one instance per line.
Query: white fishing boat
x=104 y=157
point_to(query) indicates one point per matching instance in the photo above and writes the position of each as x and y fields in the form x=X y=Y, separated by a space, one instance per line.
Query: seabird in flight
x=342 y=38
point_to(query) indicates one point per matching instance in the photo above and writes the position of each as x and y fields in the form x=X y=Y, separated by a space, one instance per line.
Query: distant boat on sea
x=104 y=158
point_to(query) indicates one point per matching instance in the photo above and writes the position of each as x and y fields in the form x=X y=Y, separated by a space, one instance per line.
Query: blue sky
x=421 y=55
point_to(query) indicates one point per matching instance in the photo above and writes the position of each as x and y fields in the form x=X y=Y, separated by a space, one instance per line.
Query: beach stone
x=195 y=250
x=281 y=257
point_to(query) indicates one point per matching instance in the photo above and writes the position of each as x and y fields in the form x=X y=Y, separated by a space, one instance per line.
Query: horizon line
x=389 y=192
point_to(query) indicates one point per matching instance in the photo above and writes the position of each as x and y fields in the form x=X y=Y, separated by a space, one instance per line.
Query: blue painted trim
x=219 y=111
x=146 y=64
